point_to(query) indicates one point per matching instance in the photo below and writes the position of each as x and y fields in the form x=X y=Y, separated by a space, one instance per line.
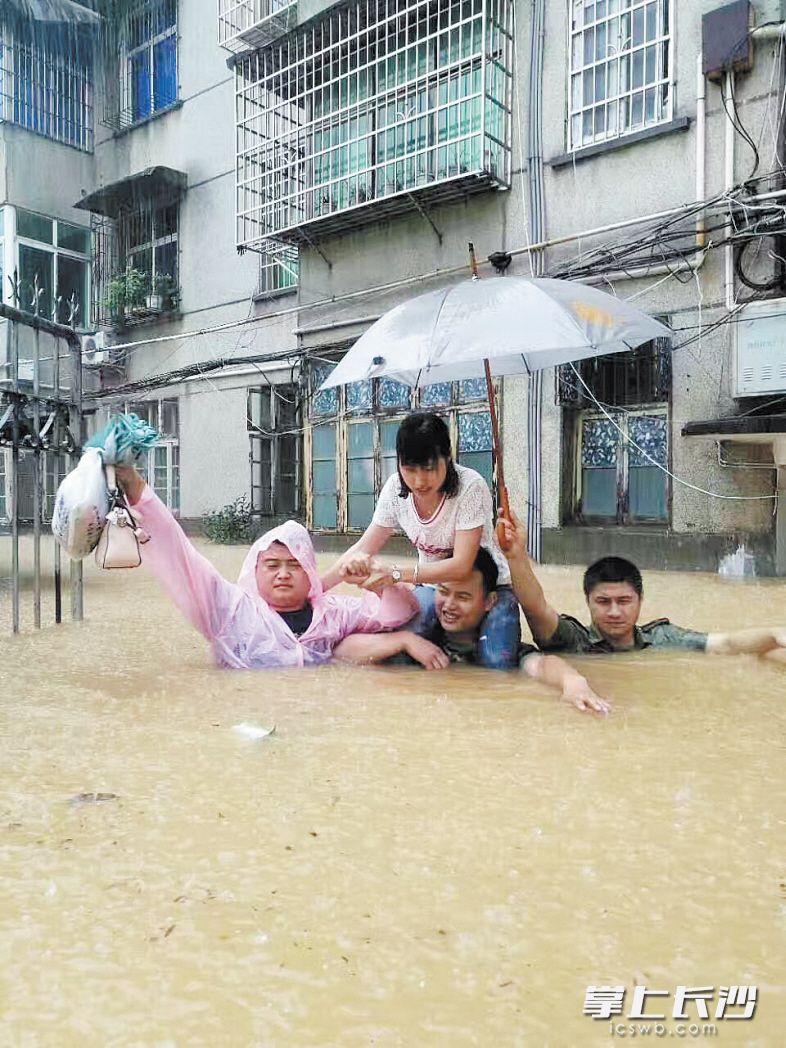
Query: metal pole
x=76 y=393
x=15 y=481
x=57 y=440
x=36 y=481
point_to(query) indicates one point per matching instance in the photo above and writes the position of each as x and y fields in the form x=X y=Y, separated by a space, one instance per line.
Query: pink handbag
x=119 y=545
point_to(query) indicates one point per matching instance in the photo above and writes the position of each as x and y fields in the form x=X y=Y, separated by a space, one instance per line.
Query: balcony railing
x=246 y=24
x=377 y=109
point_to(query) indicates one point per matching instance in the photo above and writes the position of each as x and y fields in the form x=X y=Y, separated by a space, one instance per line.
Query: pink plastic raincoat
x=244 y=631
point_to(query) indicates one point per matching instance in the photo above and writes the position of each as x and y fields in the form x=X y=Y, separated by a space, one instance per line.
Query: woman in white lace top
x=446 y=511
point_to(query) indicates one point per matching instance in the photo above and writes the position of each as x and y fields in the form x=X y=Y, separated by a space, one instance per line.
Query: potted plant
x=115 y=301
x=164 y=293
x=137 y=284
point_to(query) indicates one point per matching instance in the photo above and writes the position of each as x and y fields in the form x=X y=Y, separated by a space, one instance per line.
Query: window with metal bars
x=619 y=433
x=136 y=262
x=46 y=78
x=273 y=421
x=371 y=102
x=147 y=49
x=638 y=376
x=620 y=68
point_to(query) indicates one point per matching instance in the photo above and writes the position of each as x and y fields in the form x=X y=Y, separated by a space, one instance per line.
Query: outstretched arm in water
x=554 y=671
x=768 y=642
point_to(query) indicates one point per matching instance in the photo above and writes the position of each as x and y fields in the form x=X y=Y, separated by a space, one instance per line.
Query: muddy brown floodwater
x=410 y=859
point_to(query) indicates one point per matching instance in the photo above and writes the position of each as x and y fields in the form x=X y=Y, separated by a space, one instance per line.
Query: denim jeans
x=500 y=629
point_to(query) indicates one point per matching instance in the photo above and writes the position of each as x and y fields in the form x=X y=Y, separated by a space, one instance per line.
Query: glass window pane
x=323 y=442
x=472 y=389
x=359 y=396
x=169 y=418
x=435 y=395
x=165 y=72
x=140 y=85
x=73 y=238
x=325 y=511
x=34 y=227
x=647 y=493
x=474 y=432
x=360 y=510
x=35 y=264
x=393 y=394
x=72 y=283
x=324 y=476
x=325 y=402
x=599 y=492
x=481 y=462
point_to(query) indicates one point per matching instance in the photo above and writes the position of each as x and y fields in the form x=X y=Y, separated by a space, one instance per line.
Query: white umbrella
x=500 y=326
x=518 y=324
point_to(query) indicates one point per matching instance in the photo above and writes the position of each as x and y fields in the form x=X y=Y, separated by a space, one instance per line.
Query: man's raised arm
x=542 y=618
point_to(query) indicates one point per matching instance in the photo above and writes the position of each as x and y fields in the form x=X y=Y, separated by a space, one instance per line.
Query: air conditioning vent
x=760 y=335
x=95 y=351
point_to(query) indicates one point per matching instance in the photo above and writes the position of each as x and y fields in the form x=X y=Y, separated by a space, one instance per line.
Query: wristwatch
x=395 y=573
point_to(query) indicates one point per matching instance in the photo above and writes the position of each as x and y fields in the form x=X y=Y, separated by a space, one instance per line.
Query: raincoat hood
x=298 y=541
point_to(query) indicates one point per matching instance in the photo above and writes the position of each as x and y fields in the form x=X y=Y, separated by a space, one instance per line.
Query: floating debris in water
x=92 y=798
x=253 y=731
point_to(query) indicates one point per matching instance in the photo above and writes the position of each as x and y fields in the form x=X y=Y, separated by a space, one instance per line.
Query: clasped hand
x=365 y=571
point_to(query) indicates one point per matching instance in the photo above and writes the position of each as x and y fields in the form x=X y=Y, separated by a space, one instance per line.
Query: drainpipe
x=728 y=183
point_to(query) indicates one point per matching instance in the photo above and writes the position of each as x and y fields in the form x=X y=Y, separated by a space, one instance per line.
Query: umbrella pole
x=497 y=452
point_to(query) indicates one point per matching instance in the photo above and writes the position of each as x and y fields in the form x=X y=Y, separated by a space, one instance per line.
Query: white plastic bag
x=81 y=506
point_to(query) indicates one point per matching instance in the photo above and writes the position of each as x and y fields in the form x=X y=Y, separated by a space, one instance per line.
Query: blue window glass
x=436 y=395
x=359 y=396
x=165 y=72
x=393 y=395
x=326 y=402
x=472 y=389
x=474 y=443
x=140 y=85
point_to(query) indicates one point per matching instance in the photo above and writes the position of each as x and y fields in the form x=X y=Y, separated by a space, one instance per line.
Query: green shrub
x=231 y=525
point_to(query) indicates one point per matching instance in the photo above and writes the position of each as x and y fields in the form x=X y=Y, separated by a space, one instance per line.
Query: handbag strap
x=117 y=495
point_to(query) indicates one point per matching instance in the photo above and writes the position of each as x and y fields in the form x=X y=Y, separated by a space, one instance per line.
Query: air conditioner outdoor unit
x=95 y=351
x=760 y=335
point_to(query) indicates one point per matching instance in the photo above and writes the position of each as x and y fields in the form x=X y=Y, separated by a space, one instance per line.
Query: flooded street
x=410 y=859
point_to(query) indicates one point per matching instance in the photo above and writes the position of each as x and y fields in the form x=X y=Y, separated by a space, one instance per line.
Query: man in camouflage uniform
x=613 y=589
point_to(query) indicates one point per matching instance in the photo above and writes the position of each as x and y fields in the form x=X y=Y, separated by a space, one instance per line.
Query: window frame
x=270 y=495
x=622 y=516
x=371 y=409
x=663 y=43
x=129 y=104
x=83 y=318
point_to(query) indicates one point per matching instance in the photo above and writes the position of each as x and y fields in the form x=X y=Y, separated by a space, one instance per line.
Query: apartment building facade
x=262 y=197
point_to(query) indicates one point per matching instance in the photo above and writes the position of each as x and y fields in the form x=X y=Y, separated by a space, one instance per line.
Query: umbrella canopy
x=518 y=324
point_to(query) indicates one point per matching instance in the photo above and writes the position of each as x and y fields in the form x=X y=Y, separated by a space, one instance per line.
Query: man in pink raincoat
x=276 y=614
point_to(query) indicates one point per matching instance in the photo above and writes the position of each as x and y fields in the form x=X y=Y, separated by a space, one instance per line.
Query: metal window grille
x=244 y=24
x=641 y=376
x=46 y=79
x=620 y=68
x=278 y=268
x=376 y=103
x=273 y=421
x=143 y=239
x=140 y=62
